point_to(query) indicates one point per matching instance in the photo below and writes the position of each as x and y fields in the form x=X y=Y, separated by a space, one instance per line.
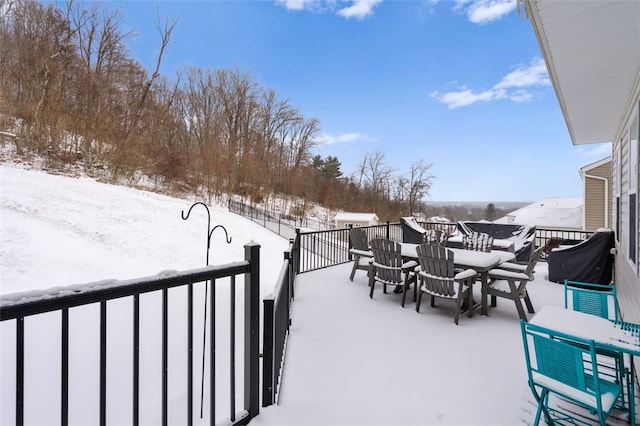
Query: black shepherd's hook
x=206 y=288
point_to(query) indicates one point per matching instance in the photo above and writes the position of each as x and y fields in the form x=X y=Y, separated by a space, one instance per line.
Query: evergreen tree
x=490 y=212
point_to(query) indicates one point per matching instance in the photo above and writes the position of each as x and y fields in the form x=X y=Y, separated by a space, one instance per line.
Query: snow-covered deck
x=352 y=360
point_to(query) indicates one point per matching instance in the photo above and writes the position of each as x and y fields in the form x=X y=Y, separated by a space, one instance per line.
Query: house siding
x=626 y=275
x=596 y=192
x=628 y=287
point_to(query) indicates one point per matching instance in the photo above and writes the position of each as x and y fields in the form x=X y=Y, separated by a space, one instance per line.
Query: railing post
x=293 y=268
x=252 y=331
x=268 y=352
x=349 y=244
x=296 y=252
x=388 y=230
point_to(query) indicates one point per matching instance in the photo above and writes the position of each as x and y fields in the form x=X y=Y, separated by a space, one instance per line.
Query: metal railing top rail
x=322 y=252
x=280 y=281
x=22 y=304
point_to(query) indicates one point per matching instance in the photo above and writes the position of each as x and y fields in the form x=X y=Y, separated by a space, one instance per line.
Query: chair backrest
x=359 y=239
x=436 y=269
x=594 y=299
x=436 y=237
x=558 y=361
x=388 y=258
x=537 y=253
x=477 y=241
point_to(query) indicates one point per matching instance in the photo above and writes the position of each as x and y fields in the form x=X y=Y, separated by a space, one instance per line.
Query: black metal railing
x=17 y=307
x=285 y=227
x=276 y=320
x=562 y=236
x=322 y=249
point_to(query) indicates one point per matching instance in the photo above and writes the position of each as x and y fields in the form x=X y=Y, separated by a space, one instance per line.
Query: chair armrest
x=465 y=275
x=503 y=274
x=510 y=266
x=412 y=264
x=366 y=253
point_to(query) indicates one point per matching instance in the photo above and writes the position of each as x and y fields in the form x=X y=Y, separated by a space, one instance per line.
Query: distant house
x=346 y=220
x=596 y=179
x=550 y=213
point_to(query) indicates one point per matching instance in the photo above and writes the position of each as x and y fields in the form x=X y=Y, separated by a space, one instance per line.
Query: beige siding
x=598 y=187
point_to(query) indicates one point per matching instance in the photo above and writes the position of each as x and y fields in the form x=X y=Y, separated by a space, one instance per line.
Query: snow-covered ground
x=60 y=231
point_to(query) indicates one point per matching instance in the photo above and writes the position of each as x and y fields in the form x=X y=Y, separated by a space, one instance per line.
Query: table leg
x=632 y=397
x=484 y=278
x=470 y=302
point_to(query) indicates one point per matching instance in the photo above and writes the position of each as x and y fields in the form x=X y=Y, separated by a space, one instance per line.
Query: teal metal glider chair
x=595 y=299
x=600 y=300
x=565 y=365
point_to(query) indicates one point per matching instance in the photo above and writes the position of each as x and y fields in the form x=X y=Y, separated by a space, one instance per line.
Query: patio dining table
x=479 y=261
x=612 y=335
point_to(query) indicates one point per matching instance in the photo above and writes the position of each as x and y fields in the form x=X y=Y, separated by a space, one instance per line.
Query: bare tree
x=419 y=183
x=374 y=178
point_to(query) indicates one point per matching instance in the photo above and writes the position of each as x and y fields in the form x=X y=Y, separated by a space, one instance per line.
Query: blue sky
x=460 y=84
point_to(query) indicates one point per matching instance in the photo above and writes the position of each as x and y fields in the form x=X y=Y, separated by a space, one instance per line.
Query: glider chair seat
x=600 y=300
x=565 y=365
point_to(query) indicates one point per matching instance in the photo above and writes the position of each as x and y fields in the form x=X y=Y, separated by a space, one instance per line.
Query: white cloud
x=535 y=74
x=484 y=11
x=464 y=97
x=326 y=139
x=296 y=4
x=521 y=96
x=515 y=86
x=359 y=9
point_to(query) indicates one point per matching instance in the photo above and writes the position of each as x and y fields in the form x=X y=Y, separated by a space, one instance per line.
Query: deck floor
x=352 y=360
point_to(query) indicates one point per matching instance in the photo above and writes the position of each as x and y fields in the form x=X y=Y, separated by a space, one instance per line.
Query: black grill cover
x=412 y=232
x=590 y=261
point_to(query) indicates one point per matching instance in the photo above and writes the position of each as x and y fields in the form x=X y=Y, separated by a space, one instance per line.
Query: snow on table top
x=469 y=258
x=587 y=326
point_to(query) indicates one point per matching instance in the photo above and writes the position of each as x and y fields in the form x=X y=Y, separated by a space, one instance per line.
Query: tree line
x=71 y=92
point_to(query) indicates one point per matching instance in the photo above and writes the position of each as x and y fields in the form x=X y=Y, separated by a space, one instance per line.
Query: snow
x=563 y=213
x=587 y=327
x=58 y=233
x=356 y=217
x=351 y=360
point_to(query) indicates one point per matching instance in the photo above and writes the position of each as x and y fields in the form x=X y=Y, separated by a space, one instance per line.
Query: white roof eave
x=592 y=52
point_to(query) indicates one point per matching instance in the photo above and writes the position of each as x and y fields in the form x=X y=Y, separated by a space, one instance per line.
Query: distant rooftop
x=565 y=213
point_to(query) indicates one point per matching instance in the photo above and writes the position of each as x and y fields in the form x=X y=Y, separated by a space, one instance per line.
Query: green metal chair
x=600 y=300
x=565 y=365
x=595 y=299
